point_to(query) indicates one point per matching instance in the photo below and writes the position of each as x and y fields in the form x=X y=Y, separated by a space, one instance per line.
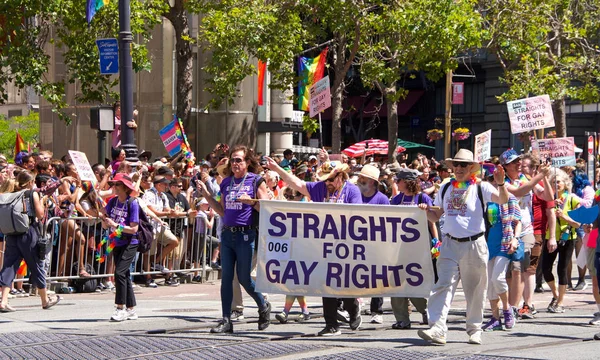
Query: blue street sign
x=109 y=56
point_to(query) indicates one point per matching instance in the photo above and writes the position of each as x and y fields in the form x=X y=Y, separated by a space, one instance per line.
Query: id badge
x=246 y=237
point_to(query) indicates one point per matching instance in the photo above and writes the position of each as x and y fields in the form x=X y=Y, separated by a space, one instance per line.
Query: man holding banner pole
x=464 y=252
x=333 y=187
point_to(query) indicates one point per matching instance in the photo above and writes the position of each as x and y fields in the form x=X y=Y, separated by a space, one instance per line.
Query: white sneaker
x=131 y=314
x=119 y=315
x=596 y=319
x=164 y=270
x=376 y=319
x=430 y=335
x=109 y=286
x=475 y=338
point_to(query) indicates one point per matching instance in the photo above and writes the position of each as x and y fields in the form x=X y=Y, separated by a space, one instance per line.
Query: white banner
x=483 y=146
x=560 y=150
x=343 y=250
x=84 y=170
x=530 y=114
x=320 y=96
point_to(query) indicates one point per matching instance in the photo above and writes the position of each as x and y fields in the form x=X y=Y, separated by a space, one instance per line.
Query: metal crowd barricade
x=76 y=240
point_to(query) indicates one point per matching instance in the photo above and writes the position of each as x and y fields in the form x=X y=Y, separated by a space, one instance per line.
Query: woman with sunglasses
x=122 y=217
x=238 y=208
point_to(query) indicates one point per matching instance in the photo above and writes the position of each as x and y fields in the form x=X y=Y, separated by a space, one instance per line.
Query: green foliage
x=25 y=58
x=309 y=125
x=28 y=126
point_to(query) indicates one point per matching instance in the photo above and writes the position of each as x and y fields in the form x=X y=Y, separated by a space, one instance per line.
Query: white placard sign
x=483 y=146
x=560 y=150
x=530 y=114
x=343 y=250
x=320 y=96
x=84 y=170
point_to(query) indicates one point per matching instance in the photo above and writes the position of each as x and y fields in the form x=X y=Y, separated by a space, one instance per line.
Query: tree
x=403 y=37
x=28 y=25
x=28 y=127
x=546 y=47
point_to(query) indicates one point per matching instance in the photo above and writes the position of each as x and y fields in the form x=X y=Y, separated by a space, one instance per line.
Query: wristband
x=501 y=185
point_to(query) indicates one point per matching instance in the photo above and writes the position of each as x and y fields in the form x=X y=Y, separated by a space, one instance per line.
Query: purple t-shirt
x=120 y=214
x=402 y=199
x=350 y=193
x=237 y=213
x=378 y=199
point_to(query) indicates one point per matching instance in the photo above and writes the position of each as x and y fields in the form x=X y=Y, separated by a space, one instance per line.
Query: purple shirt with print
x=402 y=199
x=318 y=193
x=237 y=213
x=378 y=199
x=121 y=214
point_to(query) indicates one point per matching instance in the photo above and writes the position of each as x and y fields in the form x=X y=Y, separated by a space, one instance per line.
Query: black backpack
x=145 y=233
x=84 y=285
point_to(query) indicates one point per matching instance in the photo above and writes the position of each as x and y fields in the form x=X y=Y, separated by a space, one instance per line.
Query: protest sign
x=343 y=250
x=320 y=96
x=530 y=114
x=483 y=146
x=84 y=170
x=170 y=138
x=560 y=150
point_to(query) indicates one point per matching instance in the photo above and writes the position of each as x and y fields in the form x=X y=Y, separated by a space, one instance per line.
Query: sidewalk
x=180 y=317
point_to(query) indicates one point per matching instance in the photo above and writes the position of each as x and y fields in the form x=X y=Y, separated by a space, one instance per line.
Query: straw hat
x=370 y=172
x=330 y=169
x=464 y=156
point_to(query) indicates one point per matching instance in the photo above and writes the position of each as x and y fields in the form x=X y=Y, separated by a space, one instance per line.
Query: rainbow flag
x=92 y=6
x=597 y=196
x=262 y=69
x=310 y=70
x=19 y=144
x=170 y=138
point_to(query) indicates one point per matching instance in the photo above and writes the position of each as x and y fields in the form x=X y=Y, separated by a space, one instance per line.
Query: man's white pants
x=466 y=261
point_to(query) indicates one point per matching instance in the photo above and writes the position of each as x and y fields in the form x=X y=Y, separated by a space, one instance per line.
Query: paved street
x=174 y=324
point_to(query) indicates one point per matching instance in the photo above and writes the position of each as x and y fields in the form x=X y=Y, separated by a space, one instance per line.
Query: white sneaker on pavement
x=131 y=314
x=376 y=319
x=475 y=338
x=431 y=335
x=119 y=315
x=596 y=319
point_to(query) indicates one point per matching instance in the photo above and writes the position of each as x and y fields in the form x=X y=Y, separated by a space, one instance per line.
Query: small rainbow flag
x=92 y=6
x=597 y=196
x=19 y=144
x=311 y=70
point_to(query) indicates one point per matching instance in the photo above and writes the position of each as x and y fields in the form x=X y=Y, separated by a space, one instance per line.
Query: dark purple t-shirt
x=121 y=214
x=402 y=199
x=350 y=194
x=378 y=199
x=236 y=213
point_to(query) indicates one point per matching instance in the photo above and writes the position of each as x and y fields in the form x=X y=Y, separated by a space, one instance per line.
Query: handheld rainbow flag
x=311 y=70
x=19 y=144
x=92 y=6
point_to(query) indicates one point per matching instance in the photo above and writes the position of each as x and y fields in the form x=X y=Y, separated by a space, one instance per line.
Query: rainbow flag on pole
x=92 y=6
x=19 y=144
x=311 y=70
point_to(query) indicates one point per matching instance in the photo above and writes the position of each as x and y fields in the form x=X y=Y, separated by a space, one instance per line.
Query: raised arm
x=291 y=180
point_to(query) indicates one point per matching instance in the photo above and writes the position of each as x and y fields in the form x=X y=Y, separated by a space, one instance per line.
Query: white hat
x=370 y=172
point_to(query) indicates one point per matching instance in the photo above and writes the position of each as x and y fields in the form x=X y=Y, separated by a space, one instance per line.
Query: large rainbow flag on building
x=310 y=70
x=92 y=6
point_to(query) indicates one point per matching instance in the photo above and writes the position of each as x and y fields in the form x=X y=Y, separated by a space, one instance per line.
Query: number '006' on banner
x=278 y=249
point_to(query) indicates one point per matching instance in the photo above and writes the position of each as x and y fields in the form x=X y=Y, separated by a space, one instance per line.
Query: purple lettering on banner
x=395 y=227
x=342 y=254
x=275 y=272
x=362 y=231
x=307 y=271
x=290 y=273
x=377 y=228
x=359 y=250
x=276 y=223
x=327 y=249
x=334 y=271
x=346 y=276
x=311 y=222
x=396 y=272
x=329 y=228
x=365 y=277
x=383 y=276
x=409 y=230
x=343 y=226
x=294 y=217
x=417 y=274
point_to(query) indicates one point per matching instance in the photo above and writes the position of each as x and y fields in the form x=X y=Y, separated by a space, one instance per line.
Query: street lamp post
x=126 y=86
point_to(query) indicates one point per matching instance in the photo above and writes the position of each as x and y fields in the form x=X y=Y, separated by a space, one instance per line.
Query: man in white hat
x=333 y=186
x=464 y=252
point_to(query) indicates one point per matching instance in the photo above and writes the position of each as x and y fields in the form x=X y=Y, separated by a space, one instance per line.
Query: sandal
x=51 y=302
x=83 y=273
x=7 y=309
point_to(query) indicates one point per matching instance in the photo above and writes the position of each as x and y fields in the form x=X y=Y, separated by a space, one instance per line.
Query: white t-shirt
x=157 y=201
x=466 y=220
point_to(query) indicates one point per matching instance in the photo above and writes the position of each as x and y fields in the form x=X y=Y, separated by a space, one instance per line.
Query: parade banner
x=84 y=170
x=560 y=150
x=483 y=146
x=343 y=250
x=530 y=114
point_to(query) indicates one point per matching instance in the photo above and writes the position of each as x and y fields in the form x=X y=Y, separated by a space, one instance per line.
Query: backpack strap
x=444 y=192
x=480 y=196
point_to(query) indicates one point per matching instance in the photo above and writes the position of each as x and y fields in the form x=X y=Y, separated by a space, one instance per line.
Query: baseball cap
x=509 y=156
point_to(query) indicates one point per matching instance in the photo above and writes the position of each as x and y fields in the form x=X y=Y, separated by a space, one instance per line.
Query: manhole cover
x=184 y=310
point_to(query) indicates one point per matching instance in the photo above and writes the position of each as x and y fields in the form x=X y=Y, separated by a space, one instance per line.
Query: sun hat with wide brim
x=124 y=179
x=464 y=156
x=330 y=169
x=145 y=153
x=370 y=172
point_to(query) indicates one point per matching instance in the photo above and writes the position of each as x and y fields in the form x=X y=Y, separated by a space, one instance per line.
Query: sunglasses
x=237 y=160
x=291 y=196
x=460 y=164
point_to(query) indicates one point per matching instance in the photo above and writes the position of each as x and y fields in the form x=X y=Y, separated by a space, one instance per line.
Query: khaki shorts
x=164 y=238
x=590 y=260
x=529 y=242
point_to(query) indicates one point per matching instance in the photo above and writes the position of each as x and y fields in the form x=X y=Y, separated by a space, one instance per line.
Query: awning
x=411 y=145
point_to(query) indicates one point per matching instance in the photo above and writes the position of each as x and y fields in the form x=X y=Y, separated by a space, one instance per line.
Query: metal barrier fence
x=181 y=245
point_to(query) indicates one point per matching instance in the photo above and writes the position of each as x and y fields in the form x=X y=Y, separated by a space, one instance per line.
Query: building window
x=13 y=113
